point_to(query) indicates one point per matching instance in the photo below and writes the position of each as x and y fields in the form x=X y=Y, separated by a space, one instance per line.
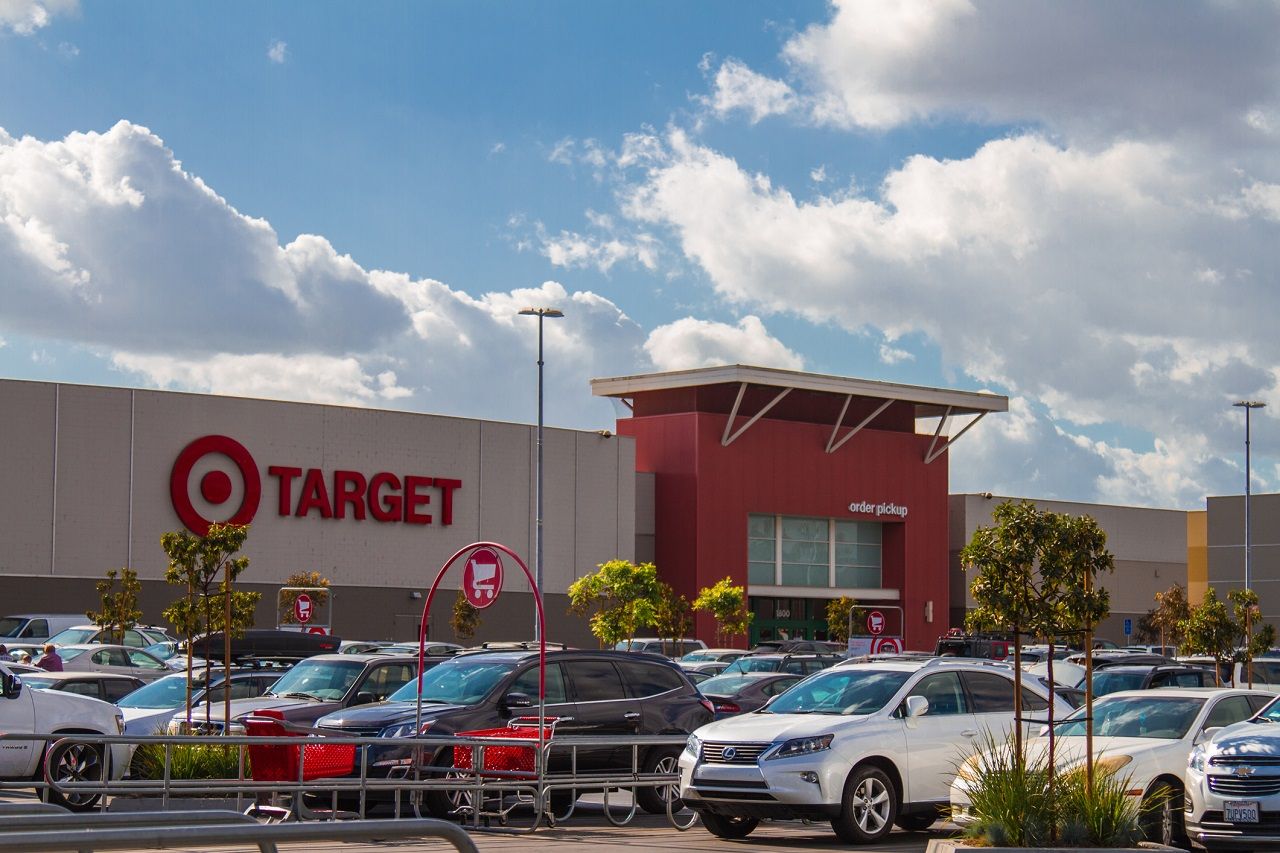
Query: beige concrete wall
x=111 y=451
x=1149 y=547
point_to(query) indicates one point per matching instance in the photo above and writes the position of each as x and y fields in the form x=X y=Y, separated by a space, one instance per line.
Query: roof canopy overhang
x=875 y=396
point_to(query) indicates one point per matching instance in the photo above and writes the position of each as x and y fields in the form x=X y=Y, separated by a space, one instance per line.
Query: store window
x=814 y=552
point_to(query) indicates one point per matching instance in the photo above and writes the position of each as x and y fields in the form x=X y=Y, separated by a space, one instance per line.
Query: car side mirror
x=10 y=685
x=1206 y=734
x=518 y=700
x=916 y=706
x=363 y=698
x=1043 y=731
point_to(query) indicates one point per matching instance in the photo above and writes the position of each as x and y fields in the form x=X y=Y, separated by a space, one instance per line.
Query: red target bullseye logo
x=216 y=485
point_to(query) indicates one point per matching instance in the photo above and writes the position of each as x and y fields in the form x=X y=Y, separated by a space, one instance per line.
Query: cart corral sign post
x=881 y=636
x=306 y=609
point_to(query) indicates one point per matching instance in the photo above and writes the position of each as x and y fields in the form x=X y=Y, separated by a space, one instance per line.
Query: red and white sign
x=482 y=578
x=875 y=623
x=302 y=608
x=886 y=645
x=316 y=629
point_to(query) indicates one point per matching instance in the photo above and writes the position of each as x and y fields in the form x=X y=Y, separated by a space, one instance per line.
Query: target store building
x=801 y=487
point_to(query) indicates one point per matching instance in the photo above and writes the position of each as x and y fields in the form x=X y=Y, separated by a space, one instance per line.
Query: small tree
x=119 y=607
x=195 y=562
x=727 y=604
x=623 y=595
x=838 y=618
x=672 y=616
x=1254 y=637
x=465 y=619
x=1172 y=610
x=1210 y=630
x=1146 y=630
x=309 y=580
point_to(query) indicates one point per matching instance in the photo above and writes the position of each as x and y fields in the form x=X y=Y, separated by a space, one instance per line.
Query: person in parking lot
x=50 y=660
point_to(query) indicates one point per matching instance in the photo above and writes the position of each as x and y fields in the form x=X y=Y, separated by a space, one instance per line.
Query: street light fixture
x=540 y=313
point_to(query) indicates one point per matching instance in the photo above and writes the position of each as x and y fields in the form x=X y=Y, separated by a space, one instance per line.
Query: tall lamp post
x=1248 y=406
x=540 y=313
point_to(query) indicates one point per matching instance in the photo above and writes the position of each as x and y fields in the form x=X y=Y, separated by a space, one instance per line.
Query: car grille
x=1250 y=760
x=732 y=753
x=1250 y=786
x=355 y=731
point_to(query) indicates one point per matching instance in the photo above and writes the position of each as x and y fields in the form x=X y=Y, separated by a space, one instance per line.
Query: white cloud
x=25 y=17
x=737 y=88
x=894 y=355
x=1141 y=68
x=278 y=51
x=107 y=243
x=689 y=343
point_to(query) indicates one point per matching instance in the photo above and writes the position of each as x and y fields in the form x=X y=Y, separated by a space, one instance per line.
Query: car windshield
x=325 y=680
x=753 y=664
x=71 y=654
x=840 y=691
x=1107 y=681
x=72 y=636
x=456 y=682
x=699 y=656
x=170 y=692
x=10 y=626
x=39 y=682
x=163 y=649
x=725 y=685
x=1165 y=717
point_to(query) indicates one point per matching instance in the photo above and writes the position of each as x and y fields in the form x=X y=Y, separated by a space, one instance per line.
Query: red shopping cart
x=511 y=760
x=280 y=762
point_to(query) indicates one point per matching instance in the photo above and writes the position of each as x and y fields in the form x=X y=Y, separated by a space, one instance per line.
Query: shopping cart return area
x=515 y=778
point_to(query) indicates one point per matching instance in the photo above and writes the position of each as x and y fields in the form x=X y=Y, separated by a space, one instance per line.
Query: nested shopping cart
x=306 y=761
x=512 y=756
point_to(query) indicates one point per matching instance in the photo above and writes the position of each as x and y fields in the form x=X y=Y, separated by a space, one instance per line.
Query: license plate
x=1240 y=811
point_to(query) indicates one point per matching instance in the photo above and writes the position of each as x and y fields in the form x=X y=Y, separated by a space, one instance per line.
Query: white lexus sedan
x=1145 y=738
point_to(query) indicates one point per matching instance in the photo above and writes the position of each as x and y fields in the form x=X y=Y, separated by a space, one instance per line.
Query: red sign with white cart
x=875 y=623
x=302 y=608
x=482 y=578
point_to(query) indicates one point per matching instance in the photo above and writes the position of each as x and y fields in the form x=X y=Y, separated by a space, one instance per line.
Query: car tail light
x=727 y=708
x=706 y=703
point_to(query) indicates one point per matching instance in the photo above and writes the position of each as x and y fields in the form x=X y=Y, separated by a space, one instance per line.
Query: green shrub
x=1105 y=816
x=187 y=761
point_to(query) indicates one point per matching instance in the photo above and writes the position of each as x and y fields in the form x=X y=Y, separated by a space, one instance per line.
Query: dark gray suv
x=605 y=693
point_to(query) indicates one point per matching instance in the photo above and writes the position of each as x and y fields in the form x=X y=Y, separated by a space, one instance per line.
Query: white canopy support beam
x=929 y=455
x=726 y=439
x=832 y=444
x=946 y=445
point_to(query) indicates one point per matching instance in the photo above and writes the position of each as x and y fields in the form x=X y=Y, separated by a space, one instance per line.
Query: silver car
x=1233 y=786
x=122 y=660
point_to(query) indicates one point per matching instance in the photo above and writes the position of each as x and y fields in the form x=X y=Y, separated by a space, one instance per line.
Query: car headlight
x=404 y=729
x=693 y=746
x=1196 y=760
x=802 y=746
x=970 y=770
x=119 y=723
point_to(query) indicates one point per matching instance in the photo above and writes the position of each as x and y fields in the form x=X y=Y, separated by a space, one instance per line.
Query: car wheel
x=654 y=800
x=74 y=762
x=722 y=826
x=868 y=808
x=1162 y=820
x=918 y=822
x=444 y=803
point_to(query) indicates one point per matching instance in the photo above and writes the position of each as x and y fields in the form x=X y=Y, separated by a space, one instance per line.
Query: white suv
x=863 y=745
x=1233 y=786
x=24 y=710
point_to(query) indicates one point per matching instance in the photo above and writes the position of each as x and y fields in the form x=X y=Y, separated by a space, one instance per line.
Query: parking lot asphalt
x=589 y=830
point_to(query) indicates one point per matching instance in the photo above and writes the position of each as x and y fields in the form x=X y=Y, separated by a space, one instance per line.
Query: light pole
x=540 y=313
x=1248 y=406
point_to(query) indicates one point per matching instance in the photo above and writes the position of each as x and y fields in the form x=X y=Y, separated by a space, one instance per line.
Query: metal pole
x=537 y=565
x=1248 y=410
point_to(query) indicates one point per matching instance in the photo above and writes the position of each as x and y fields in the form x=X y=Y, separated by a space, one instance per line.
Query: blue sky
x=1075 y=205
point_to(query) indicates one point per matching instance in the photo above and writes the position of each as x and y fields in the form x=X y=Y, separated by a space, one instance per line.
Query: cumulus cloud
x=25 y=17
x=108 y=243
x=689 y=343
x=736 y=88
x=278 y=51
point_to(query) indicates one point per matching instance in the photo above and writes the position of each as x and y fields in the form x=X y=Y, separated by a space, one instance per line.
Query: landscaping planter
x=958 y=845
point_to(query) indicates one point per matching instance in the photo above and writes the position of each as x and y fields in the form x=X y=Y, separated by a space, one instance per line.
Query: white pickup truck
x=25 y=710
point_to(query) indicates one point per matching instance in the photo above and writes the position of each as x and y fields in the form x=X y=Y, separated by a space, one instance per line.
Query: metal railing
x=79 y=833
x=480 y=798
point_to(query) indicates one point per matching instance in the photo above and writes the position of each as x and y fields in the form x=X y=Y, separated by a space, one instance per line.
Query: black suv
x=605 y=693
x=1145 y=677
